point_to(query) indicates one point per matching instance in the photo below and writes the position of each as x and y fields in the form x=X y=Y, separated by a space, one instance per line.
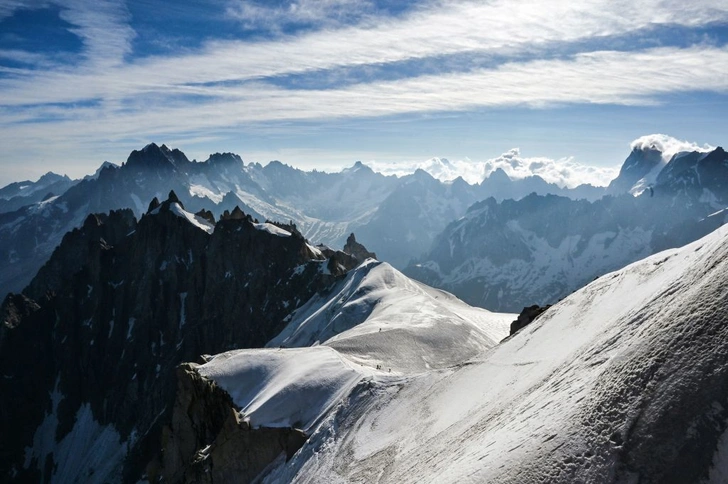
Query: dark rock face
x=637 y=165
x=527 y=316
x=208 y=442
x=30 y=233
x=357 y=250
x=89 y=350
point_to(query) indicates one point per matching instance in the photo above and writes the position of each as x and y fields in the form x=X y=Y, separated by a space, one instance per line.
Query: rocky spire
x=357 y=250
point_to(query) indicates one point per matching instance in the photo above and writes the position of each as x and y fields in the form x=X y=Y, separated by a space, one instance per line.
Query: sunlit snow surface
x=272 y=229
x=378 y=316
x=195 y=220
x=632 y=356
x=283 y=388
x=376 y=324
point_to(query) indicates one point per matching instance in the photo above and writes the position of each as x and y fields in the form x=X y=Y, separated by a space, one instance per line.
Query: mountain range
x=504 y=255
x=396 y=217
x=125 y=360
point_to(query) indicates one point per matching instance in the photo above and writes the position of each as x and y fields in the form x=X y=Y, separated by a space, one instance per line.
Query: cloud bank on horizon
x=90 y=80
x=563 y=172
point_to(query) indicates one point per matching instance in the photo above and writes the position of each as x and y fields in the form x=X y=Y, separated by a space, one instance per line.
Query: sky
x=324 y=83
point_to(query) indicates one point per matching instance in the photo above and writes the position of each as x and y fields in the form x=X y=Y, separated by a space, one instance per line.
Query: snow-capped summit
x=667 y=145
x=650 y=155
x=378 y=316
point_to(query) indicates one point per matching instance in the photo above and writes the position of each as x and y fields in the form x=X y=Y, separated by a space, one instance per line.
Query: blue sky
x=325 y=83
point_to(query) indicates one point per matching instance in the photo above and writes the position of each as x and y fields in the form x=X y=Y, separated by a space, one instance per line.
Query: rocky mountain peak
x=173 y=198
x=499 y=175
x=51 y=177
x=640 y=162
x=156 y=157
x=357 y=250
x=231 y=160
x=153 y=204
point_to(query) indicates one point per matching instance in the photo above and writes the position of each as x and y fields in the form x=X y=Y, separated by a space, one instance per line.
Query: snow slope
x=283 y=387
x=195 y=220
x=378 y=316
x=375 y=325
x=626 y=380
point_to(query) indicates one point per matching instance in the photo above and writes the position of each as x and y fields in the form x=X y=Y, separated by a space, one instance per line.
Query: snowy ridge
x=283 y=387
x=378 y=316
x=272 y=229
x=375 y=325
x=622 y=381
x=195 y=220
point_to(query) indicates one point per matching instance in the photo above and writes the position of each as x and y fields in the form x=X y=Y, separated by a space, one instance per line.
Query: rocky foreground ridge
x=89 y=349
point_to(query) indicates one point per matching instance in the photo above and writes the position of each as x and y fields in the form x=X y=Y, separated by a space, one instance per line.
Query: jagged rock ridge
x=89 y=349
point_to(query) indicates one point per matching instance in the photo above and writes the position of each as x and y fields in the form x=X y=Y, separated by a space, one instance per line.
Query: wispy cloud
x=9 y=7
x=320 y=13
x=450 y=28
x=628 y=78
x=109 y=94
x=103 y=26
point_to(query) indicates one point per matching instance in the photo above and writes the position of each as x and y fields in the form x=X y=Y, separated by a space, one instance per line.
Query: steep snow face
x=90 y=452
x=272 y=229
x=195 y=220
x=650 y=155
x=379 y=317
x=625 y=380
x=283 y=387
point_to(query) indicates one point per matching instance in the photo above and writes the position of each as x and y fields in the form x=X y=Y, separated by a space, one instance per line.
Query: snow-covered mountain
x=507 y=255
x=391 y=213
x=650 y=155
x=89 y=351
x=378 y=316
x=623 y=381
x=20 y=194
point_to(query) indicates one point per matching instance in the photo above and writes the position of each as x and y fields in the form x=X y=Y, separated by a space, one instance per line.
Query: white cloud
x=321 y=13
x=631 y=78
x=667 y=145
x=9 y=7
x=499 y=27
x=103 y=28
x=563 y=172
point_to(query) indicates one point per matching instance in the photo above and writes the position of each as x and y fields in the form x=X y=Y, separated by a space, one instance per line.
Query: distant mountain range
x=510 y=254
x=396 y=217
x=20 y=194
x=501 y=244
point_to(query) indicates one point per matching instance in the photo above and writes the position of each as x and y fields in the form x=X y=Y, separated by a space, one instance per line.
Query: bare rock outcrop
x=208 y=441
